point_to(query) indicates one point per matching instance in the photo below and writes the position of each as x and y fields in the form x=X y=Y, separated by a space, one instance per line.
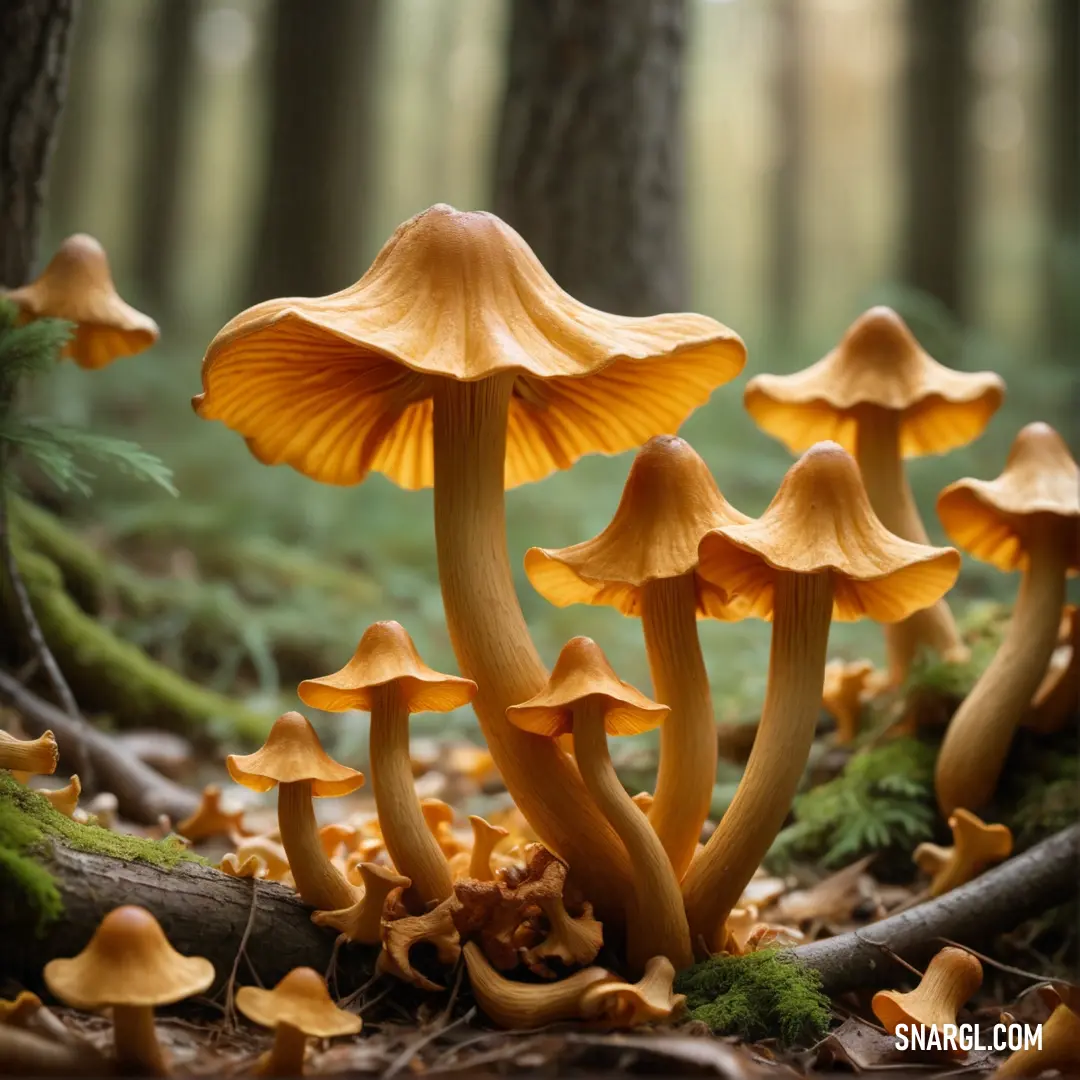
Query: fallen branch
x=1041 y=878
x=142 y=793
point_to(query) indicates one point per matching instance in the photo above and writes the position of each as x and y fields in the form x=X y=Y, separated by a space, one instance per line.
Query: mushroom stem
x=492 y=642
x=877 y=450
x=658 y=924
x=981 y=730
x=317 y=879
x=688 y=745
x=800 y=636
x=137 y=1050
x=286 y=1056
x=413 y=849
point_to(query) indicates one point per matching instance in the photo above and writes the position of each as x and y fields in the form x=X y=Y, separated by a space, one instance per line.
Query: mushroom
x=64 y=800
x=645 y=563
x=643 y=800
x=338 y=835
x=817 y=553
x=950 y=979
x=20 y=1010
x=436 y=928
x=457 y=361
x=362 y=921
x=843 y=693
x=476 y=862
x=1060 y=1048
x=586 y=697
x=293 y=759
x=37 y=757
x=387 y=678
x=1057 y=698
x=573 y=941
x=976 y=846
x=78 y=286
x=523 y=1006
x=269 y=852
x=884 y=399
x=651 y=1000
x=297 y=1009
x=1028 y=519
x=129 y=966
x=211 y=818
x=251 y=866
x=439 y=819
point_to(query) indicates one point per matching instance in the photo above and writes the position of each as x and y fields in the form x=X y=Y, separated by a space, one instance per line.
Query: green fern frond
x=32 y=349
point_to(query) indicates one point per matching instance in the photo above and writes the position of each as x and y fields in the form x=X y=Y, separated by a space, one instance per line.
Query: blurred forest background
x=778 y=164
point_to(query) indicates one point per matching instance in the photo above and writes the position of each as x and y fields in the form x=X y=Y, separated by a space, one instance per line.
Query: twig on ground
x=418 y=1044
x=230 y=986
x=995 y=963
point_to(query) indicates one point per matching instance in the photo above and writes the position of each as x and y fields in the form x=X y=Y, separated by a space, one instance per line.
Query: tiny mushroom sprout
x=37 y=757
x=883 y=398
x=362 y=922
x=65 y=800
x=1028 y=519
x=976 y=846
x=211 y=818
x=845 y=689
x=293 y=759
x=1060 y=1046
x=77 y=286
x=950 y=979
x=645 y=563
x=387 y=678
x=457 y=361
x=585 y=697
x=651 y=1000
x=298 y=1008
x=130 y=966
x=817 y=553
x=485 y=837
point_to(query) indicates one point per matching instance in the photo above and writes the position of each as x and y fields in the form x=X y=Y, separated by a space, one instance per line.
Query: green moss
x=1040 y=792
x=29 y=824
x=764 y=994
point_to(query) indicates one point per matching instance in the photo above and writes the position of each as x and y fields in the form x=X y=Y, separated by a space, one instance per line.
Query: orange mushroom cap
x=339 y=385
x=990 y=519
x=878 y=362
x=300 y=1000
x=211 y=818
x=581 y=672
x=670 y=501
x=386 y=654
x=78 y=286
x=821 y=520
x=128 y=961
x=292 y=753
x=36 y=757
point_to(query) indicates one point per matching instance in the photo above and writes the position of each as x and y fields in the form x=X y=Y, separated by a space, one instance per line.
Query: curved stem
x=492 y=642
x=979 y=735
x=287 y=1054
x=317 y=879
x=688 y=744
x=877 y=450
x=138 y=1052
x=801 y=614
x=413 y=849
x=657 y=926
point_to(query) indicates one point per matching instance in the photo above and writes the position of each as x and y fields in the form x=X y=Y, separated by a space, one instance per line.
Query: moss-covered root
x=115 y=676
x=763 y=995
x=29 y=825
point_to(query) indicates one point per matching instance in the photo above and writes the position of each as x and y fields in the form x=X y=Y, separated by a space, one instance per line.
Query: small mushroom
x=573 y=940
x=1028 y=519
x=644 y=800
x=387 y=678
x=523 y=1006
x=651 y=1000
x=78 y=286
x=251 y=866
x=64 y=800
x=297 y=1009
x=20 y=1010
x=586 y=697
x=846 y=688
x=950 y=979
x=336 y=836
x=37 y=757
x=439 y=818
x=270 y=853
x=211 y=818
x=882 y=397
x=293 y=759
x=130 y=966
x=485 y=837
x=362 y=922
x=976 y=846
x=1057 y=699
x=1060 y=1048
x=436 y=928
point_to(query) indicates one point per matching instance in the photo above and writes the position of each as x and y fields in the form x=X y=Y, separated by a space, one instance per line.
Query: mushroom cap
x=300 y=1000
x=78 y=286
x=292 y=753
x=339 y=385
x=820 y=520
x=670 y=501
x=878 y=362
x=128 y=961
x=951 y=978
x=38 y=757
x=386 y=654
x=582 y=672
x=992 y=519
x=978 y=840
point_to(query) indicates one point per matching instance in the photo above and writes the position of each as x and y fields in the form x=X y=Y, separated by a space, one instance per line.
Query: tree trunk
x=34 y=39
x=160 y=175
x=589 y=161
x=937 y=150
x=309 y=235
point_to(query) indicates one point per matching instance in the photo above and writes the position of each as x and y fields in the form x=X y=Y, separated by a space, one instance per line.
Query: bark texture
x=589 y=163
x=34 y=37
